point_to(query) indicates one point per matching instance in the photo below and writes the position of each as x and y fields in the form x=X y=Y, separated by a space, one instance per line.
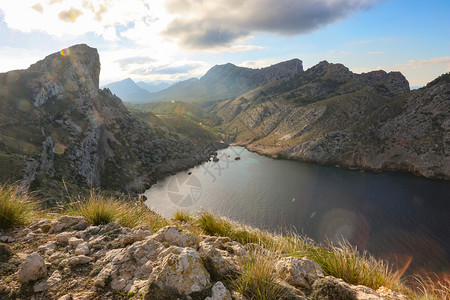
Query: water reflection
x=394 y=216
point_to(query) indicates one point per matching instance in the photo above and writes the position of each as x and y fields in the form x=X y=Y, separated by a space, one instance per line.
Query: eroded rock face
x=83 y=134
x=33 y=268
x=181 y=270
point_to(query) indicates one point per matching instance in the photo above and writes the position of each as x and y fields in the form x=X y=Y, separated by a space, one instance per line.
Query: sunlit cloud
x=77 y=17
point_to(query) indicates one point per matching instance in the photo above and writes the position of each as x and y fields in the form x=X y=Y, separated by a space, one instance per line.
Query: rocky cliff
x=331 y=115
x=226 y=81
x=56 y=125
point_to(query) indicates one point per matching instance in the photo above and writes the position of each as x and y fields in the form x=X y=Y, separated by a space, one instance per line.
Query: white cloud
x=77 y=17
x=418 y=71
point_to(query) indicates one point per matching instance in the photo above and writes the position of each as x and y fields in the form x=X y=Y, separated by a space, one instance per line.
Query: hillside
x=226 y=81
x=56 y=125
x=330 y=115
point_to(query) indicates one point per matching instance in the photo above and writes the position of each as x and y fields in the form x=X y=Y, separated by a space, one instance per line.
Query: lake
x=395 y=216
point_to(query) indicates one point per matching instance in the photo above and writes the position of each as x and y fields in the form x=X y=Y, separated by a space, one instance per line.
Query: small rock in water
x=189 y=173
x=215 y=159
x=237 y=158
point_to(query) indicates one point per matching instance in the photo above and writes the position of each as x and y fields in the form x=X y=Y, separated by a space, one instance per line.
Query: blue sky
x=174 y=40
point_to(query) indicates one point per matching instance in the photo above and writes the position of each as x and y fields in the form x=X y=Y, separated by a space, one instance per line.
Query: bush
x=345 y=262
x=16 y=207
x=257 y=278
x=100 y=209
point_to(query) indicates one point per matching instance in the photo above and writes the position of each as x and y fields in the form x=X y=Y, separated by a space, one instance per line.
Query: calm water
x=394 y=216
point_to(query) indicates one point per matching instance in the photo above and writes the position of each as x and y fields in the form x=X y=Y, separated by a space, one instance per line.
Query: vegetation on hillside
x=255 y=278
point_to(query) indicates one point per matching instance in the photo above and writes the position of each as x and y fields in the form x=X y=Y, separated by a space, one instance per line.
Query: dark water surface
x=392 y=215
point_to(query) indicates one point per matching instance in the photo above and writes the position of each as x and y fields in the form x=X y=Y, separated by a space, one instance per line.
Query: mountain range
x=58 y=127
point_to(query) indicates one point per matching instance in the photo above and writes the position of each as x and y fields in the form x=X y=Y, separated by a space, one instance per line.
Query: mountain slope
x=225 y=82
x=153 y=87
x=57 y=125
x=128 y=91
x=333 y=116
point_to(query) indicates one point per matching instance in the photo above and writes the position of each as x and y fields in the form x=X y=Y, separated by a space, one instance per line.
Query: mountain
x=153 y=87
x=57 y=126
x=128 y=91
x=226 y=81
x=331 y=115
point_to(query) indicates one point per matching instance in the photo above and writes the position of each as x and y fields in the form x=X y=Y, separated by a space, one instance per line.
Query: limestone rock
x=73 y=241
x=127 y=266
x=33 y=268
x=219 y=256
x=176 y=236
x=78 y=260
x=299 y=272
x=219 y=292
x=183 y=271
x=69 y=222
x=82 y=249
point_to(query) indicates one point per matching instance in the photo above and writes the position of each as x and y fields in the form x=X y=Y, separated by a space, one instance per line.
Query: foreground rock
x=109 y=261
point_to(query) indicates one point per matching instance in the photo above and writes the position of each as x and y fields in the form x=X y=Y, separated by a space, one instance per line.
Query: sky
x=173 y=40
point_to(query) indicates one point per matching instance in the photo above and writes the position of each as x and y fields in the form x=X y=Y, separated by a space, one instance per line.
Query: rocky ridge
x=56 y=124
x=330 y=115
x=70 y=259
x=226 y=81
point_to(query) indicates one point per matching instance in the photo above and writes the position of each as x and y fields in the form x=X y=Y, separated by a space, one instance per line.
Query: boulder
x=219 y=292
x=78 y=260
x=73 y=241
x=82 y=249
x=69 y=222
x=33 y=268
x=127 y=267
x=176 y=236
x=182 y=271
x=299 y=272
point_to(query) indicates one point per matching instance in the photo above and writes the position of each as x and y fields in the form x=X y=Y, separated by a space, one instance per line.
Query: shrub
x=16 y=207
x=257 y=278
x=431 y=287
x=345 y=262
x=100 y=209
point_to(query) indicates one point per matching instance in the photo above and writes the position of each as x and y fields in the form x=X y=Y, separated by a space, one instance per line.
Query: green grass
x=100 y=209
x=431 y=288
x=345 y=262
x=257 y=278
x=341 y=261
x=16 y=207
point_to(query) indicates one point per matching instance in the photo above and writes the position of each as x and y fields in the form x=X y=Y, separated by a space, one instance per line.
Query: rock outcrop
x=120 y=261
x=56 y=124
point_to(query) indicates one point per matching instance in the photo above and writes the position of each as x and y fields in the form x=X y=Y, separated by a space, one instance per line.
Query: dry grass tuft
x=100 y=209
x=16 y=207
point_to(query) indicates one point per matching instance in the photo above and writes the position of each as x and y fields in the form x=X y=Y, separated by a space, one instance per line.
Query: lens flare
x=59 y=148
x=65 y=52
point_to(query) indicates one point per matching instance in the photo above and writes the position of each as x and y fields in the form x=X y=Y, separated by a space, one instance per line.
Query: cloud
x=73 y=18
x=418 y=71
x=206 y=24
x=70 y=15
x=376 y=52
x=176 y=69
x=138 y=60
